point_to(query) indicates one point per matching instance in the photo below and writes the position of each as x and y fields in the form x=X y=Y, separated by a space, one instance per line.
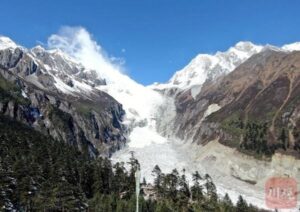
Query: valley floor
x=214 y=159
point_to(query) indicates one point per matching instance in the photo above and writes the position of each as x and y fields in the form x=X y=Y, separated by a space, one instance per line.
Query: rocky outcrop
x=263 y=90
x=30 y=94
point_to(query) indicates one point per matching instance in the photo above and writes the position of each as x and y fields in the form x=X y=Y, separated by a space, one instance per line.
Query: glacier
x=148 y=110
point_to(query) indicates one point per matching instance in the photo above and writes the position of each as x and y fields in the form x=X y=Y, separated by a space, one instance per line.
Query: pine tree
x=120 y=178
x=157 y=174
x=170 y=185
x=134 y=166
x=67 y=196
x=226 y=204
x=241 y=205
x=211 y=190
x=107 y=176
x=86 y=179
x=197 y=189
x=283 y=139
x=184 y=192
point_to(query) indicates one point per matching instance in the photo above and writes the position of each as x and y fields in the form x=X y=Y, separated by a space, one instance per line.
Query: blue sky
x=155 y=37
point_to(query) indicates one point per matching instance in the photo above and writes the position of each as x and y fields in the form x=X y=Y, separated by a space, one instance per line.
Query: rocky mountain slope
x=52 y=93
x=234 y=91
x=255 y=106
x=241 y=127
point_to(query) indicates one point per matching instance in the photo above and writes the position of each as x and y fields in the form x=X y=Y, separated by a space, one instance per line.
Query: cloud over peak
x=78 y=43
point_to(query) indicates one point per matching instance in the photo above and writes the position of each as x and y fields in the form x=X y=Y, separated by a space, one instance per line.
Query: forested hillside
x=38 y=173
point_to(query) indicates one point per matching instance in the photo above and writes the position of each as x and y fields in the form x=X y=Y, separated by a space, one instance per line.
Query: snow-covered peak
x=6 y=42
x=63 y=55
x=55 y=57
x=269 y=47
x=292 y=47
x=242 y=50
x=246 y=46
x=38 y=49
x=207 y=67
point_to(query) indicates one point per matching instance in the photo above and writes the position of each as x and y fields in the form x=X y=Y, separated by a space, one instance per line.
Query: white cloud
x=118 y=60
x=78 y=43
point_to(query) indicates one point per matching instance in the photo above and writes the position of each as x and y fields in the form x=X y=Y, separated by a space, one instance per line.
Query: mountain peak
x=207 y=67
x=38 y=48
x=292 y=47
x=6 y=42
x=247 y=46
x=269 y=47
x=244 y=45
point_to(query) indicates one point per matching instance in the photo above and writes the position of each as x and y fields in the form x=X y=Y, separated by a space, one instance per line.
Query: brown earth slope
x=259 y=101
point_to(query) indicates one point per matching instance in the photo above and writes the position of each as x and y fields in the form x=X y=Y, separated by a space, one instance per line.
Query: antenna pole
x=137 y=187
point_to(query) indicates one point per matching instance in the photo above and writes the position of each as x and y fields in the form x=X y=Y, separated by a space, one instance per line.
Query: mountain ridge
x=93 y=120
x=72 y=99
x=210 y=66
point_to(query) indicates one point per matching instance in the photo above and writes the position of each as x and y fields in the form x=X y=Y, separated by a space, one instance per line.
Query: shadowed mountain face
x=255 y=108
x=46 y=90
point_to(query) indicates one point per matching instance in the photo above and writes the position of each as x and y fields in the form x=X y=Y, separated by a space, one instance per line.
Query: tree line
x=38 y=173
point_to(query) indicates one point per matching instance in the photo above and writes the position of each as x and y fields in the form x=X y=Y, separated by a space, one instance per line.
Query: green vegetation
x=61 y=119
x=84 y=109
x=252 y=138
x=234 y=126
x=38 y=173
x=11 y=92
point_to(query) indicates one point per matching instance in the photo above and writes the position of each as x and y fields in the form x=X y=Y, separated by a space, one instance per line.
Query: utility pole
x=137 y=187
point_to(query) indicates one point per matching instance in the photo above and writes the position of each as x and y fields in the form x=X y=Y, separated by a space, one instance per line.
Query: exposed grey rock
x=9 y=58
x=92 y=123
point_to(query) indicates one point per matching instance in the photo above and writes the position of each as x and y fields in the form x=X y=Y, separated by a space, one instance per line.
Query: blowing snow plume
x=77 y=42
x=139 y=102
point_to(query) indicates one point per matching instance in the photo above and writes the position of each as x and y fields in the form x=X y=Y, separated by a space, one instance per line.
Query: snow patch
x=211 y=109
x=62 y=86
x=24 y=94
x=195 y=90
